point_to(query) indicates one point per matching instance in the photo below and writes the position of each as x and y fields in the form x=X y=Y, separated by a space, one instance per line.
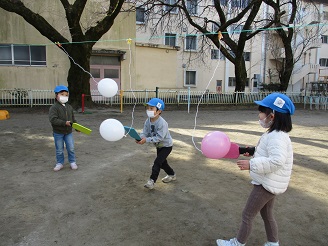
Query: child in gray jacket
x=156 y=131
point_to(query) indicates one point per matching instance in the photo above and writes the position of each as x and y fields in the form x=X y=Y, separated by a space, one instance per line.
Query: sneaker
x=73 y=166
x=231 y=242
x=271 y=244
x=150 y=184
x=58 y=167
x=169 y=178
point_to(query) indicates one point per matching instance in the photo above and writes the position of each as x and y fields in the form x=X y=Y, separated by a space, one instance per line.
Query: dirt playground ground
x=104 y=201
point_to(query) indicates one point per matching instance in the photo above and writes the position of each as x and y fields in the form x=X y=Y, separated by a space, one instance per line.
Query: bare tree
x=285 y=30
x=237 y=21
x=302 y=32
x=78 y=45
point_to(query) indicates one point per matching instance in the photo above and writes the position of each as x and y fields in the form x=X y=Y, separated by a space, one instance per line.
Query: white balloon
x=111 y=130
x=107 y=87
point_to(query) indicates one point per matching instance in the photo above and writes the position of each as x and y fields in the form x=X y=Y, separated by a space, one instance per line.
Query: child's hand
x=142 y=141
x=247 y=151
x=243 y=164
x=68 y=123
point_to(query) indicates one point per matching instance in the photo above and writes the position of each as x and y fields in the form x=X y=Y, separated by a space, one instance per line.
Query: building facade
x=201 y=65
x=141 y=53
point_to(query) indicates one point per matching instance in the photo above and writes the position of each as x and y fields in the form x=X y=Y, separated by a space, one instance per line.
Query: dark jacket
x=58 y=115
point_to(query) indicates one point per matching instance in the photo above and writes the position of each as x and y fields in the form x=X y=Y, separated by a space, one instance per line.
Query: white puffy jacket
x=272 y=163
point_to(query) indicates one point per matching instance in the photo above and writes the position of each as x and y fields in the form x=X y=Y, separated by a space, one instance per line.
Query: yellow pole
x=121 y=99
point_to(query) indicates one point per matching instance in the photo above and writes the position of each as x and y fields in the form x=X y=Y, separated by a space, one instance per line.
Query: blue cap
x=60 y=88
x=278 y=102
x=156 y=102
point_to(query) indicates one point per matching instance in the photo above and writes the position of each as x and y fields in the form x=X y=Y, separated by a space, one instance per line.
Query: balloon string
x=130 y=80
x=201 y=98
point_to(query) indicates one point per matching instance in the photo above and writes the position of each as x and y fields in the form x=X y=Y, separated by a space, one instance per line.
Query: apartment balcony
x=315 y=44
x=304 y=71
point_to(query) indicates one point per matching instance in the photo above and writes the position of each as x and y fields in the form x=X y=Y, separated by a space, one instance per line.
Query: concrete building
x=202 y=66
x=174 y=57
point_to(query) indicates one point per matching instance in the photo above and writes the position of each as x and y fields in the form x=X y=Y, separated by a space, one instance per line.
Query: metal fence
x=31 y=98
x=23 y=97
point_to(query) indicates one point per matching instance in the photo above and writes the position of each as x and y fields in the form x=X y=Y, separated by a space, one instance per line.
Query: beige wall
x=14 y=29
x=156 y=67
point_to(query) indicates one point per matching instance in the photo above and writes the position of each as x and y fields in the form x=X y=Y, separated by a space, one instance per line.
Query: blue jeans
x=60 y=139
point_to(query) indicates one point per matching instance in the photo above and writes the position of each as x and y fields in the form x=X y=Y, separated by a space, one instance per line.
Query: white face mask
x=150 y=113
x=63 y=99
x=265 y=124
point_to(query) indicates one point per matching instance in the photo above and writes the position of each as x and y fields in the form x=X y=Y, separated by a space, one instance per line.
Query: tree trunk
x=78 y=75
x=287 y=69
x=240 y=73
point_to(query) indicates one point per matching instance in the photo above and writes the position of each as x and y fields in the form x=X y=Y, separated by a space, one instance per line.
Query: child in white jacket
x=270 y=168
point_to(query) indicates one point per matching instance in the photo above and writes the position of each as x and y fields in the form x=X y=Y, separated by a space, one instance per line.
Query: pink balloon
x=215 y=145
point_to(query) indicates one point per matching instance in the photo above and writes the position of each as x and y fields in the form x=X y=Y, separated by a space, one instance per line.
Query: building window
x=217 y=55
x=239 y=3
x=173 y=10
x=191 y=41
x=23 y=55
x=247 y=82
x=224 y=2
x=170 y=39
x=232 y=81
x=140 y=14
x=192 y=7
x=236 y=29
x=190 y=79
x=323 y=62
x=247 y=56
x=95 y=72
x=215 y=27
x=324 y=39
x=325 y=15
x=234 y=3
x=112 y=73
x=219 y=86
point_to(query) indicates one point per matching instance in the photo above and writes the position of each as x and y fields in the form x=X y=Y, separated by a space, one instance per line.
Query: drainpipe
x=264 y=44
x=317 y=50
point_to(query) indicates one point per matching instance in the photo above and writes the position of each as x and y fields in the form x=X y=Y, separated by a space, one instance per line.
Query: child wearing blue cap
x=270 y=168
x=156 y=131
x=61 y=117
